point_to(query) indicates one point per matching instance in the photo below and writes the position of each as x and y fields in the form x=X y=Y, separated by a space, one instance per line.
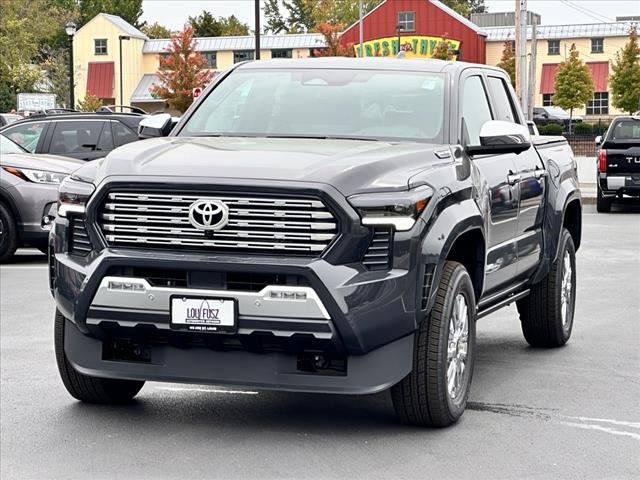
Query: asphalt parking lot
x=567 y=413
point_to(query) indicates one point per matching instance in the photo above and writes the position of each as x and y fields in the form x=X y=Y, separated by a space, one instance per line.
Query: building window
x=242 y=55
x=211 y=58
x=547 y=99
x=407 y=21
x=553 y=47
x=282 y=53
x=100 y=46
x=597 y=45
x=599 y=105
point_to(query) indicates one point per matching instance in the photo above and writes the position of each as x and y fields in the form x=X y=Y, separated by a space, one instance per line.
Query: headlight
x=400 y=209
x=73 y=196
x=37 y=176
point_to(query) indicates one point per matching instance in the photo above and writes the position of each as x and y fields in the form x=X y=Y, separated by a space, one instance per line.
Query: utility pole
x=532 y=71
x=521 y=53
x=257 y=32
x=360 y=28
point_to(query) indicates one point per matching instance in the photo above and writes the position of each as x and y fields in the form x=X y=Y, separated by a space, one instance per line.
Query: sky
x=174 y=13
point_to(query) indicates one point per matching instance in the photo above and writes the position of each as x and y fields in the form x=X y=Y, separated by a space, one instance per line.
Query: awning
x=142 y=93
x=547 y=84
x=600 y=75
x=100 y=79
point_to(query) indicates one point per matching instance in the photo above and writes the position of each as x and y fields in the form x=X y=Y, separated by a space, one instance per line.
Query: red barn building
x=421 y=24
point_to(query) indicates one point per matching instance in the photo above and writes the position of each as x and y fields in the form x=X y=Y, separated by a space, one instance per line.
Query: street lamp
x=70 y=28
x=399 y=28
x=120 y=39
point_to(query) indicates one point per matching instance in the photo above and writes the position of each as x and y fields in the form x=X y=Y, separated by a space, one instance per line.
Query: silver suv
x=28 y=195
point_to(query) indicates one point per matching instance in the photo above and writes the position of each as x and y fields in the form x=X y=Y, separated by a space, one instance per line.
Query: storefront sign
x=36 y=101
x=414 y=46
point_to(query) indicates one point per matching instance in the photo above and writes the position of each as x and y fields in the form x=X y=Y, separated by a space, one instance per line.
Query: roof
x=123 y=25
x=546 y=32
x=142 y=93
x=100 y=79
x=245 y=42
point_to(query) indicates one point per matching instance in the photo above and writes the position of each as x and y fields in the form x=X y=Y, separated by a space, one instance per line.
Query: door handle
x=513 y=178
x=541 y=173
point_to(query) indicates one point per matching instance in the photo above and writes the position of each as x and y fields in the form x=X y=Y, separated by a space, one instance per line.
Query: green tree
x=466 y=7
x=275 y=21
x=205 y=25
x=573 y=84
x=181 y=70
x=56 y=67
x=232 y=26
x=443 y=51
x=508 y=61
x=129 y=10
x=155 y=30
x=625 y=79
x=89 y=104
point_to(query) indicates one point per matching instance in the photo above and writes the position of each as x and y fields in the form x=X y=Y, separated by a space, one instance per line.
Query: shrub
x=583 y=128
x=89 y=104
x=599 y=128
x=551 y=129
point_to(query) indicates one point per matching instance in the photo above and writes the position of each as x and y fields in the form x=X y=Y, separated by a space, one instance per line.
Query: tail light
x=602 y=161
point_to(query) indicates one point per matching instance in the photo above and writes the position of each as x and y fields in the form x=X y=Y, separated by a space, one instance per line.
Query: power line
x=587 y=12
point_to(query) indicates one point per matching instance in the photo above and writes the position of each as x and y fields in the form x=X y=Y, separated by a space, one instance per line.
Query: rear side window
x=75 y=137
x=123 y=134
x=27 y=135
x=503 y=102
x=475 y=108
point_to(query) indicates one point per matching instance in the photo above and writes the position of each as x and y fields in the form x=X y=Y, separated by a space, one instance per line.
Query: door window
x=75 y=137
x=122 y=134
x=26 y=135
x=105 y=142
x=502 y=100
x=475 y=108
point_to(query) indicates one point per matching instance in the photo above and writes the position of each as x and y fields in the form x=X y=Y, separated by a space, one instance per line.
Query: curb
x=588 y=192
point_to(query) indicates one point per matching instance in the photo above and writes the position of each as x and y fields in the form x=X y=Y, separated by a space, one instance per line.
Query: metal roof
x=553 y=32
x=142 y=93
x=123 y=25
x=246 y=42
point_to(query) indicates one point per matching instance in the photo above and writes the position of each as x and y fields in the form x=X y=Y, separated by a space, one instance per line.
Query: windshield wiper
x=322 y=137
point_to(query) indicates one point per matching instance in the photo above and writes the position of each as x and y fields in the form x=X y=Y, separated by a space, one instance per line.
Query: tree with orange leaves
x=334 y=48
x=181 y=70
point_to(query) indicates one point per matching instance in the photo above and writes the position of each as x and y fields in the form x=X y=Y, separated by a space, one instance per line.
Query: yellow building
x=106 y=41
x=596 y=43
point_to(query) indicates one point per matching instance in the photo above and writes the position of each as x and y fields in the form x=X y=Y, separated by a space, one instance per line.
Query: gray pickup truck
x=322 y=225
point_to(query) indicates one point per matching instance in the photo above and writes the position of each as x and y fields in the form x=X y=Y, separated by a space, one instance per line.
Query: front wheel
x=546 y=314
x=87 y=388
x=8 y=234
x=435 y=393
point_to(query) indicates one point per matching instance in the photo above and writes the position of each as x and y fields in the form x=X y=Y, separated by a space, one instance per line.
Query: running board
x=502 y=303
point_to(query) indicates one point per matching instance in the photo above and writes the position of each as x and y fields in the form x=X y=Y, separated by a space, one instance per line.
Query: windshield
x=7 y=146
x=558 y=112
x=626 y=130
x=367 y=104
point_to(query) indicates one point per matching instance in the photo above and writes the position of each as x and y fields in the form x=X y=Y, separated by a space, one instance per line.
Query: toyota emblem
x=208 y=214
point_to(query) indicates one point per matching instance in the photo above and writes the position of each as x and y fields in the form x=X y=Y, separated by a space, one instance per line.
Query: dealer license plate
x=201 y=314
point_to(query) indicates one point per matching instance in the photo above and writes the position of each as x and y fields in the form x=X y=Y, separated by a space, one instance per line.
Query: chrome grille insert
x=256 y=223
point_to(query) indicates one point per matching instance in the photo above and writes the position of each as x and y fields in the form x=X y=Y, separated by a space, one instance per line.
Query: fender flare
x=443 y=230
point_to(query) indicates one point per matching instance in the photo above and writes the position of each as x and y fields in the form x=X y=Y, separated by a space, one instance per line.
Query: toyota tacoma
x=320 y=225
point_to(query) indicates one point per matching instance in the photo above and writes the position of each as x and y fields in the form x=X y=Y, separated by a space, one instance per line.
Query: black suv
x=85 y=136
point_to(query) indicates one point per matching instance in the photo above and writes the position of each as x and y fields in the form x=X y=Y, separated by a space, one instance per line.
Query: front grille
x=378 y=255
x=79 y=243
x=257 y=223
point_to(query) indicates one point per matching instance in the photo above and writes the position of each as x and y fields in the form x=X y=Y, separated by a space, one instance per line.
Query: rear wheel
x=87 y=388
x=603 y=204
x=435 y=392
x=547 y=313
x=8 y=234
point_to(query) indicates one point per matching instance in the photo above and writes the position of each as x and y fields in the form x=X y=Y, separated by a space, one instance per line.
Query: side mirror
x=498 y=137
x=598 y=139
x=159 y=125
x=533 y=128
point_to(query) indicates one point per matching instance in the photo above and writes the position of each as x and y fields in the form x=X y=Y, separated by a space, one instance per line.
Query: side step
x=483 y=312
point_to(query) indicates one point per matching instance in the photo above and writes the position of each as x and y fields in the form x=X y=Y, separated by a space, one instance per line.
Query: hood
x=351 y=166
x=50 y=163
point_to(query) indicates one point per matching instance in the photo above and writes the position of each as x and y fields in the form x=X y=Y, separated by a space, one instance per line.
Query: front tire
x=546 y=314
x=603 y=204
x=435 y=393
x=8 y=234
x=87 y=388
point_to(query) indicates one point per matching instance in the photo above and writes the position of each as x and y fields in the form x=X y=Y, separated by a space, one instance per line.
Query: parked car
x=85 y=136
x=618 y=162
x=557 y=115
x=28 y=196
x=7 y=118
x=341 y=235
